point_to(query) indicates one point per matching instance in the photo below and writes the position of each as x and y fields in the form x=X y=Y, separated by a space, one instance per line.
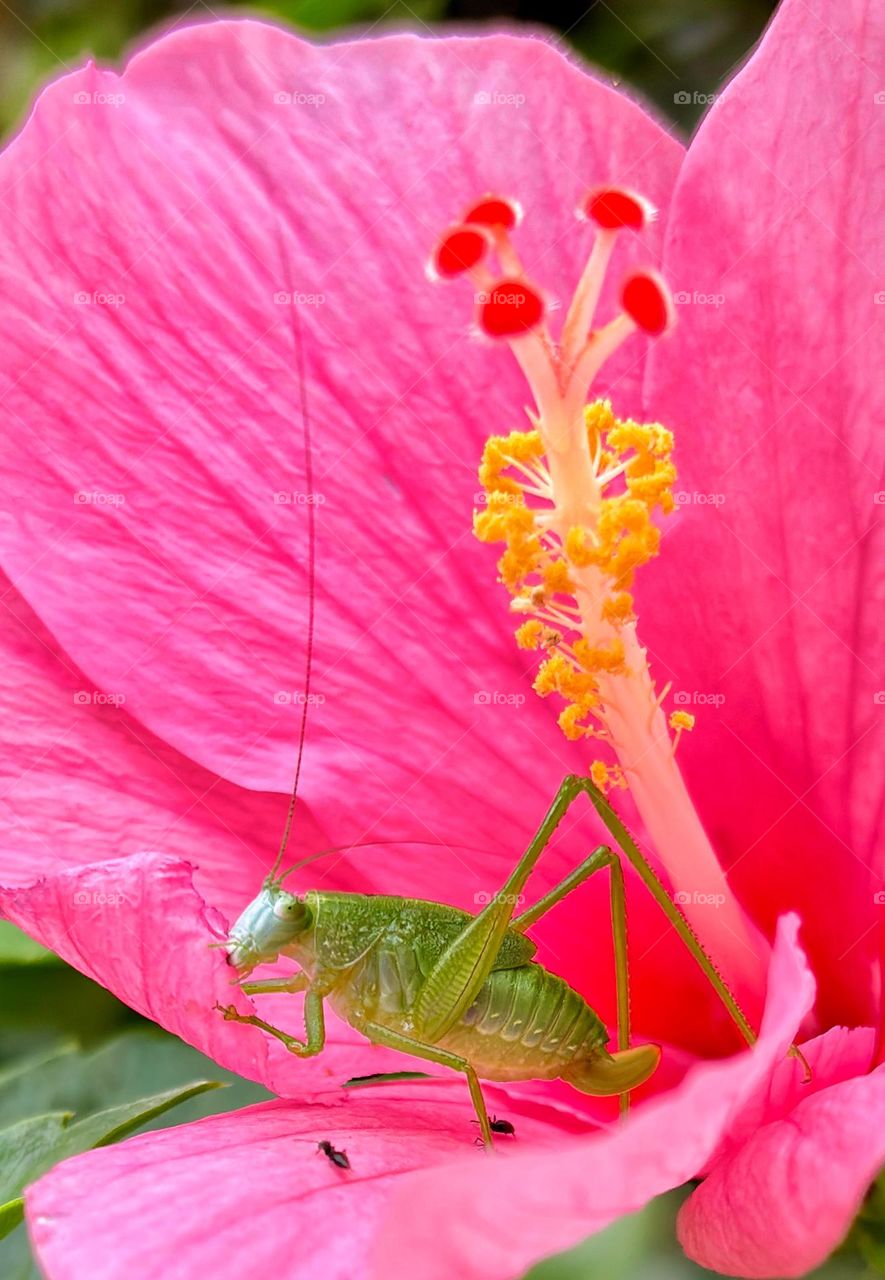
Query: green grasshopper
x=459 y=990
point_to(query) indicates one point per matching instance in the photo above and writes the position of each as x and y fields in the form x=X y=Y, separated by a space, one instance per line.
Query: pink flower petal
x=786 y=1199
x=773 y=385
x=491 y=1223
x=139 y=928
x=248 y=1193
x=82 y=781
x=176 y=413
x=839 y=1054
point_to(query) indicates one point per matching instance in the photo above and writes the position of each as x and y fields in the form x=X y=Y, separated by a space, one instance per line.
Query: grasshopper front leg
x=314 y=1020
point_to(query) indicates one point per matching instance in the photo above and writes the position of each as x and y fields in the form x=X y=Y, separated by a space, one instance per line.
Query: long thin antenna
x=368 y=844
x=310 y=503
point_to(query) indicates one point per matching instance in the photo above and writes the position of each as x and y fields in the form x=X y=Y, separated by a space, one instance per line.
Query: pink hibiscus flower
x=159 y=227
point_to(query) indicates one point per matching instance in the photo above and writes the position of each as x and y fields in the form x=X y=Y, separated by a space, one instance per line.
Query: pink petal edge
x=781 y=1204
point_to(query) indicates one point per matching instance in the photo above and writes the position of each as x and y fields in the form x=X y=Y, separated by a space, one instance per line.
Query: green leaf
x=614 y=1253
x=142 y=1061
x=17 y=948
x=26 y=1149
x=16 y=1261
x=31 y=1147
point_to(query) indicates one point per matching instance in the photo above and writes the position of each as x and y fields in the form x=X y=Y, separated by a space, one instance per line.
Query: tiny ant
x=498 y=1126
x=337 y=1157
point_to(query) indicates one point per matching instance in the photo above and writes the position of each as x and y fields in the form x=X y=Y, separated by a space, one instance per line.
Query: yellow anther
x=529 y=635
x=681 y=720
x=571 y=721
x=607 y=658
x=607 y=776
x=618 y=608
x=493 y=482
x=557 y=580
x=554 y=675
x=578 y=549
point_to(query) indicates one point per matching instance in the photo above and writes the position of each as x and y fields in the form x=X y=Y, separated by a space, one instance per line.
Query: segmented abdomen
x=526 y=1023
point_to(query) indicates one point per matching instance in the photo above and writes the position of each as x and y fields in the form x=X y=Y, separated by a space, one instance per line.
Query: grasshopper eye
x=286 y=907
x=292 y=914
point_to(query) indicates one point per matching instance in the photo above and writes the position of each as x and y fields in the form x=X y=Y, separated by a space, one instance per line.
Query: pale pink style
x=180 y=211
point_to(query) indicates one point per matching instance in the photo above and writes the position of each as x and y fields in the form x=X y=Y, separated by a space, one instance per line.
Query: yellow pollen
x=562 y=575
x=681 y=720
x=528 y=636
x=607 y=776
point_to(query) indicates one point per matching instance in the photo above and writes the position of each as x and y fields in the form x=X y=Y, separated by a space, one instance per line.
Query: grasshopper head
x=270 y=923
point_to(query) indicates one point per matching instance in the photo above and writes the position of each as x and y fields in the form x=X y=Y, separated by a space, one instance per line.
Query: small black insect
x=337 y=1157
x=500 y=1126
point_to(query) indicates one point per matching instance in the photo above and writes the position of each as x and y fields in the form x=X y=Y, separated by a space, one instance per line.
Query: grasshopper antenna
x=368 y=844
x=298 y=337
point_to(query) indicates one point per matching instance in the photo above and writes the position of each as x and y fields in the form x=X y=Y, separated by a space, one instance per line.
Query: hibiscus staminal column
x=572 y=500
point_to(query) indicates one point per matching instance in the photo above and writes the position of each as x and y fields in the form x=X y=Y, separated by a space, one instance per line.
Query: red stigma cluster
x=509 y=307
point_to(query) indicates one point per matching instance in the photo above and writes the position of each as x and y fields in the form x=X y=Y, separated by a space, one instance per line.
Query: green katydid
x=459 y=990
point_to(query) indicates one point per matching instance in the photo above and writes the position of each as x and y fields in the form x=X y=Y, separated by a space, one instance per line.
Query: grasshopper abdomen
x=372 y=953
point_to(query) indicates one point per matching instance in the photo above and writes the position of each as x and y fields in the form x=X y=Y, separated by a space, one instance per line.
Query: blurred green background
x=77 y=1068
x=663 y=47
